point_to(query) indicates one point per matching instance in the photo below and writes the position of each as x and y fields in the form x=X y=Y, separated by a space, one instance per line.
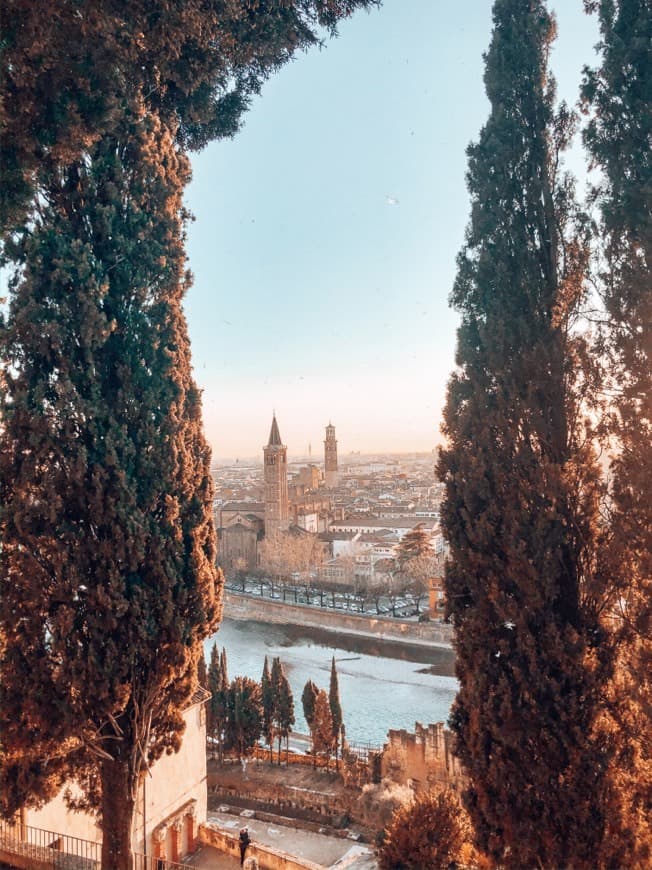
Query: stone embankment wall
x=323 y=808
x=422 y=759
x=267 y=857
x=238 y=606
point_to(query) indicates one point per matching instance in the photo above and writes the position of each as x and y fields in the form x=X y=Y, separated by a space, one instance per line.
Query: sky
x=326 y=232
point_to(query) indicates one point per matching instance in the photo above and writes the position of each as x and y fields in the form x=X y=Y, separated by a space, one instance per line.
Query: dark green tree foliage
x=202 y=672
x=283 y=705
x=244 y=720
x=65 y=75
x=108 y=584
x=218 y=686
x=618 y=99
x=521 y=487
x=267 y=700
x=308 y=697
x=224 y=668
x=335 y=705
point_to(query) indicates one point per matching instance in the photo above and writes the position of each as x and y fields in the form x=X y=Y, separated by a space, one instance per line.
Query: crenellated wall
x=422 y=758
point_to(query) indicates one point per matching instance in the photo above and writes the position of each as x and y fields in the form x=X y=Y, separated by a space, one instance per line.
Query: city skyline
x=326 y=232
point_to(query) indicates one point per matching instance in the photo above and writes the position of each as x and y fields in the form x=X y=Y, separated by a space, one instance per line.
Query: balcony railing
x=23 y=846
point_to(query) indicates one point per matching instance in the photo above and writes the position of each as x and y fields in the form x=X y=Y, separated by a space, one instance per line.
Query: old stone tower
x=330 y=456
x=276 y=483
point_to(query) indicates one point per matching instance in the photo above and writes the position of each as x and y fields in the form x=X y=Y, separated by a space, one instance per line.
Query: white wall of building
x=175 y=788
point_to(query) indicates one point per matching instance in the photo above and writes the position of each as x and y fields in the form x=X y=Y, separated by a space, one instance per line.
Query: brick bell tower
x=330 y=457
x=277 y=514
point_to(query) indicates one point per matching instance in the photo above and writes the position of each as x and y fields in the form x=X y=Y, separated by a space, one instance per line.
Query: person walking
x=244 y=842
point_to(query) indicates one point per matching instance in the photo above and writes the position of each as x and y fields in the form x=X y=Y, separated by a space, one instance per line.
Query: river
x=382 y=685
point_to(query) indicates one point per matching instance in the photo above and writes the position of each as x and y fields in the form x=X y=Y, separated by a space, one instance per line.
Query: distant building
x=238 y=534
x=330 y=457
x=309 y=477
x=398 y=526
x=275 y=460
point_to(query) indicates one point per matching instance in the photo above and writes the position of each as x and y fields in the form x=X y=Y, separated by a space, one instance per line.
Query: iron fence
x=47 y=848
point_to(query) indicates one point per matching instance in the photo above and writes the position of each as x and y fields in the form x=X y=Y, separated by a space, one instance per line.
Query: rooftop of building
x=385 y=522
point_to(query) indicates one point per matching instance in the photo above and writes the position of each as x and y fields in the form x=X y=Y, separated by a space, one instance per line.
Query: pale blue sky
x=315 y=294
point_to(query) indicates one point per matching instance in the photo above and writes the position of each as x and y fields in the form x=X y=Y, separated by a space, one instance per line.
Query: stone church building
x=301 y=504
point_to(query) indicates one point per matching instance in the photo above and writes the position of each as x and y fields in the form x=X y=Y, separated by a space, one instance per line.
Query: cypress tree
x=283 y=704
x=308 y=697
x=335 y=705
x=224 y=670
x=618 y=99
x=521 y=485
x=202 y=672
x=108 y=579
x=214 y=686
x=244 y=715
x=321 y=729
x=267 y=698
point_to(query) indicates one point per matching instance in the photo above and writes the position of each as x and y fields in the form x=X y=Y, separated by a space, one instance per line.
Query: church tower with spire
x=330 y=457
x=277 y=514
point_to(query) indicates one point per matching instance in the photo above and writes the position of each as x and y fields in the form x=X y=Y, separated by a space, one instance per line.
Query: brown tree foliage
x=431 y=831
x=321 y=727
x=524 y=581
x=618 y=100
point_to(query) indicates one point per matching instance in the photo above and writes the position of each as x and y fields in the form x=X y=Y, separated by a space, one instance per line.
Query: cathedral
x=300 y=505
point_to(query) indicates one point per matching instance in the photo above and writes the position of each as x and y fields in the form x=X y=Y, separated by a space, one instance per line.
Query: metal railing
x=48 y=848
x=61 y=851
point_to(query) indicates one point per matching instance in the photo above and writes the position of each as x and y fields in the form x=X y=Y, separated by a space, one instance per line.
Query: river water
x=382 y=685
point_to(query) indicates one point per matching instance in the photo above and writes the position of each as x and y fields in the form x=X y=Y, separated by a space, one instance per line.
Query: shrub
x=431 y=831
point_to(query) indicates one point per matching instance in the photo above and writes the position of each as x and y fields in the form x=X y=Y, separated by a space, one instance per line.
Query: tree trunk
x=117 y=816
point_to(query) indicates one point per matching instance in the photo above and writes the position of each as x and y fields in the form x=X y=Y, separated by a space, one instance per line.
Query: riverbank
x=416 y=634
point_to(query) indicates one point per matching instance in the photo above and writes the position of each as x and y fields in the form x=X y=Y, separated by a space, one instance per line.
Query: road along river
x=383 y=685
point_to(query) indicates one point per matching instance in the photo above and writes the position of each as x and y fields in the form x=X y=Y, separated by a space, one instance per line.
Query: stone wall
x=267 y=857
x=238 y=606
x=422 y=759
x=324 y=808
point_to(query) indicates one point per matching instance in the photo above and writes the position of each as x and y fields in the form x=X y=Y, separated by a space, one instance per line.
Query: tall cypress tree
x=214 y=686
x=267 y=699
x=202 y=672
x=308 y=697
x=108 y=579
x=283 y=704
x=521 y=486
x=335 y=705
x=618 y=99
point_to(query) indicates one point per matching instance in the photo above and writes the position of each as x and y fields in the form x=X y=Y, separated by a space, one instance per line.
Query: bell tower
x=330 y=457
x=276 y=483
